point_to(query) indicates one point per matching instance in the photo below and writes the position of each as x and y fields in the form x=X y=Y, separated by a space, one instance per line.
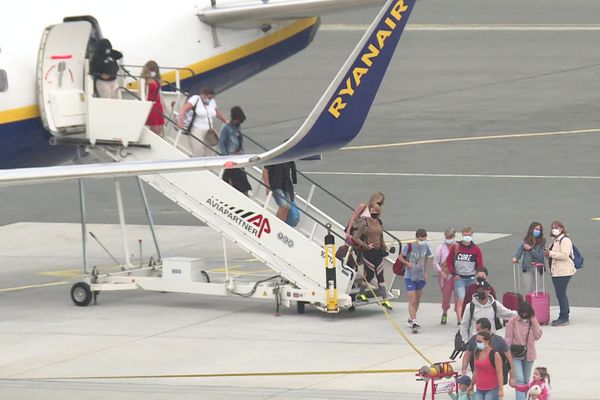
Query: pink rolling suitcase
x=511 y=300
x=540 y=301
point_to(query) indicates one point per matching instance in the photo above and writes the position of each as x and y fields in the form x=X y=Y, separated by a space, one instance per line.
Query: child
x=463 y=385
x=417 y=259
x=541 y=378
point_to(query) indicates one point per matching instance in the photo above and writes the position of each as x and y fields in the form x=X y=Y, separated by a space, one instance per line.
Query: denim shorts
x=411 y=285
x=282 y=198
x=461 y=285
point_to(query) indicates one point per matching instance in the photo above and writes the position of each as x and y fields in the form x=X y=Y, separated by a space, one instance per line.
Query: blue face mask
x=537 y=233
x=449 y=241
x=480 y=346
x=467 y=239
x=422 y=241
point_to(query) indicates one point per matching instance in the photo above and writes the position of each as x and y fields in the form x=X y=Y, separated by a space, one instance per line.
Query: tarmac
x=52 y=349
x=488 y=116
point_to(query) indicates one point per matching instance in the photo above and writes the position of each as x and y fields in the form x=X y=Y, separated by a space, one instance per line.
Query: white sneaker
x=409 y=323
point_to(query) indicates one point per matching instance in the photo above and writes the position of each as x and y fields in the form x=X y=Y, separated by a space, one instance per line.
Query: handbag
x=211 y=138
x=519 y=350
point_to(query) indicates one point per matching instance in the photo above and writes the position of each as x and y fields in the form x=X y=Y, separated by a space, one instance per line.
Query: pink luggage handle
x=537 y=267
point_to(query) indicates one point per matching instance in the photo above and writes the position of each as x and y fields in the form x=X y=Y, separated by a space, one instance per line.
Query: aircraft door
x=61 y=73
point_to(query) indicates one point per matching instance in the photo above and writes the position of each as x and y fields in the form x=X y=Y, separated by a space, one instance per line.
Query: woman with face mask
x=562 y=269
x=205 y=108
x=150 y=78
x=445 y=280
x=531 y=254
x=487 y=376
x=521 y=334
x=369 y=239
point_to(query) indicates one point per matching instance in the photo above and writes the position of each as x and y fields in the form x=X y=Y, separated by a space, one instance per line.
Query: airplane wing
x=264 y=11
x=335 y=120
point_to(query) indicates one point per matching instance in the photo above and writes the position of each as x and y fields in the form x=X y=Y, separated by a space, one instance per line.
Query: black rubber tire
x=300 y=306
x=81 y=294
x=351 y=308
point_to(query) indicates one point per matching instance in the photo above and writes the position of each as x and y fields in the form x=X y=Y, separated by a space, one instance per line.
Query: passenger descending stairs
x=296 y=254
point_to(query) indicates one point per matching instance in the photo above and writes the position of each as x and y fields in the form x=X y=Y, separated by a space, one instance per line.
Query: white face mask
x=152 y=74
x=467 y=239
x=449 y=241
x=555 y=232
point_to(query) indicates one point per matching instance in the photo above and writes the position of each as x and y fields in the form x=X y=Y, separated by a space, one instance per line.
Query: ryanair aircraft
x=216 y=43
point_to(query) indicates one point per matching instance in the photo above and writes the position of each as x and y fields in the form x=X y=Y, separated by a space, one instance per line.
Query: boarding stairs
x=297 y=255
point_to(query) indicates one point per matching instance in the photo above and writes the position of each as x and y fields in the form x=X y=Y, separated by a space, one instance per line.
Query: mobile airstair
x=303 y=261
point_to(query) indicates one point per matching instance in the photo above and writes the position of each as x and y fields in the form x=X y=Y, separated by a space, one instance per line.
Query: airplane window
x=3 y=81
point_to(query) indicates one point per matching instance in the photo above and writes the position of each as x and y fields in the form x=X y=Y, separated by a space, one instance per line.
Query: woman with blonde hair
x=562 y=268
x=151 y=80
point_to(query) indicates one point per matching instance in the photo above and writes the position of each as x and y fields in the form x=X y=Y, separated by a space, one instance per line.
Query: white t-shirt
x=201 y=120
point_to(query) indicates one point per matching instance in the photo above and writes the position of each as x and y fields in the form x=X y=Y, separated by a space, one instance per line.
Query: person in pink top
x=541 y=378
x=521 y=334
x=445 y=280
x=487 y=376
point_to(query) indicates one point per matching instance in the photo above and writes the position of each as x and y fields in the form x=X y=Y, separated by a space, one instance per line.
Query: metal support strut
x=122 y=223
x=83 y=226
x=150 y=219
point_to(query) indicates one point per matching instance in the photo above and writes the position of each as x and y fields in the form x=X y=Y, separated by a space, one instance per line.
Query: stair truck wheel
x=300 y=305
x=81 y=294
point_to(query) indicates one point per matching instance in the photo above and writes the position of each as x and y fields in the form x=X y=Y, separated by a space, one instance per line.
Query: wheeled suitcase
x=540 y=301
x=511 y=300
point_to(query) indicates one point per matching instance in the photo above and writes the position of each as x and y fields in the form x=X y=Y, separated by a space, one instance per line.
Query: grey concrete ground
x=441 y=85
x=45 y=339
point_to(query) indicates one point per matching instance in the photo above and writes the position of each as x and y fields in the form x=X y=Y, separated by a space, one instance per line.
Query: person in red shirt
x=151 y=78
x=487 y=376
x=463 y=261
x=482 y=274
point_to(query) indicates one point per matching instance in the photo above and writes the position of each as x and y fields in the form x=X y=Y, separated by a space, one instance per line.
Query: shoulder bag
x=519 y=350
x=211 y=138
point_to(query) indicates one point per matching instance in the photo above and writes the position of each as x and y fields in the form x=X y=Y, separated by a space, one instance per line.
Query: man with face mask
x=482 y=274
x=463 y=261
x=483 y=305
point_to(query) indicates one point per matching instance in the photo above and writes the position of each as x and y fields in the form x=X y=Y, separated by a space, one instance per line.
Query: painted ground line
x=474 y=27
x=426 y=175
x=471 y=138
x=36 y=286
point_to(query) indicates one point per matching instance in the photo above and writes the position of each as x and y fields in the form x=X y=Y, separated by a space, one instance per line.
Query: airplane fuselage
x=174 y=37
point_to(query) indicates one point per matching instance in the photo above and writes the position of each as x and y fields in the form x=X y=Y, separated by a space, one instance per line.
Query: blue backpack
x=577 y=257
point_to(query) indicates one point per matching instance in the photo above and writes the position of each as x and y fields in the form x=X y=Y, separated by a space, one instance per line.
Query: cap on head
x=482 y=283
x=464 y=380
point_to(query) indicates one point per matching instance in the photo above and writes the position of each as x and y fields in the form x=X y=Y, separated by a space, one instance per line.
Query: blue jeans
x=461 y=285
x=522 y=373
x=560 y=288
x=487 y=394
